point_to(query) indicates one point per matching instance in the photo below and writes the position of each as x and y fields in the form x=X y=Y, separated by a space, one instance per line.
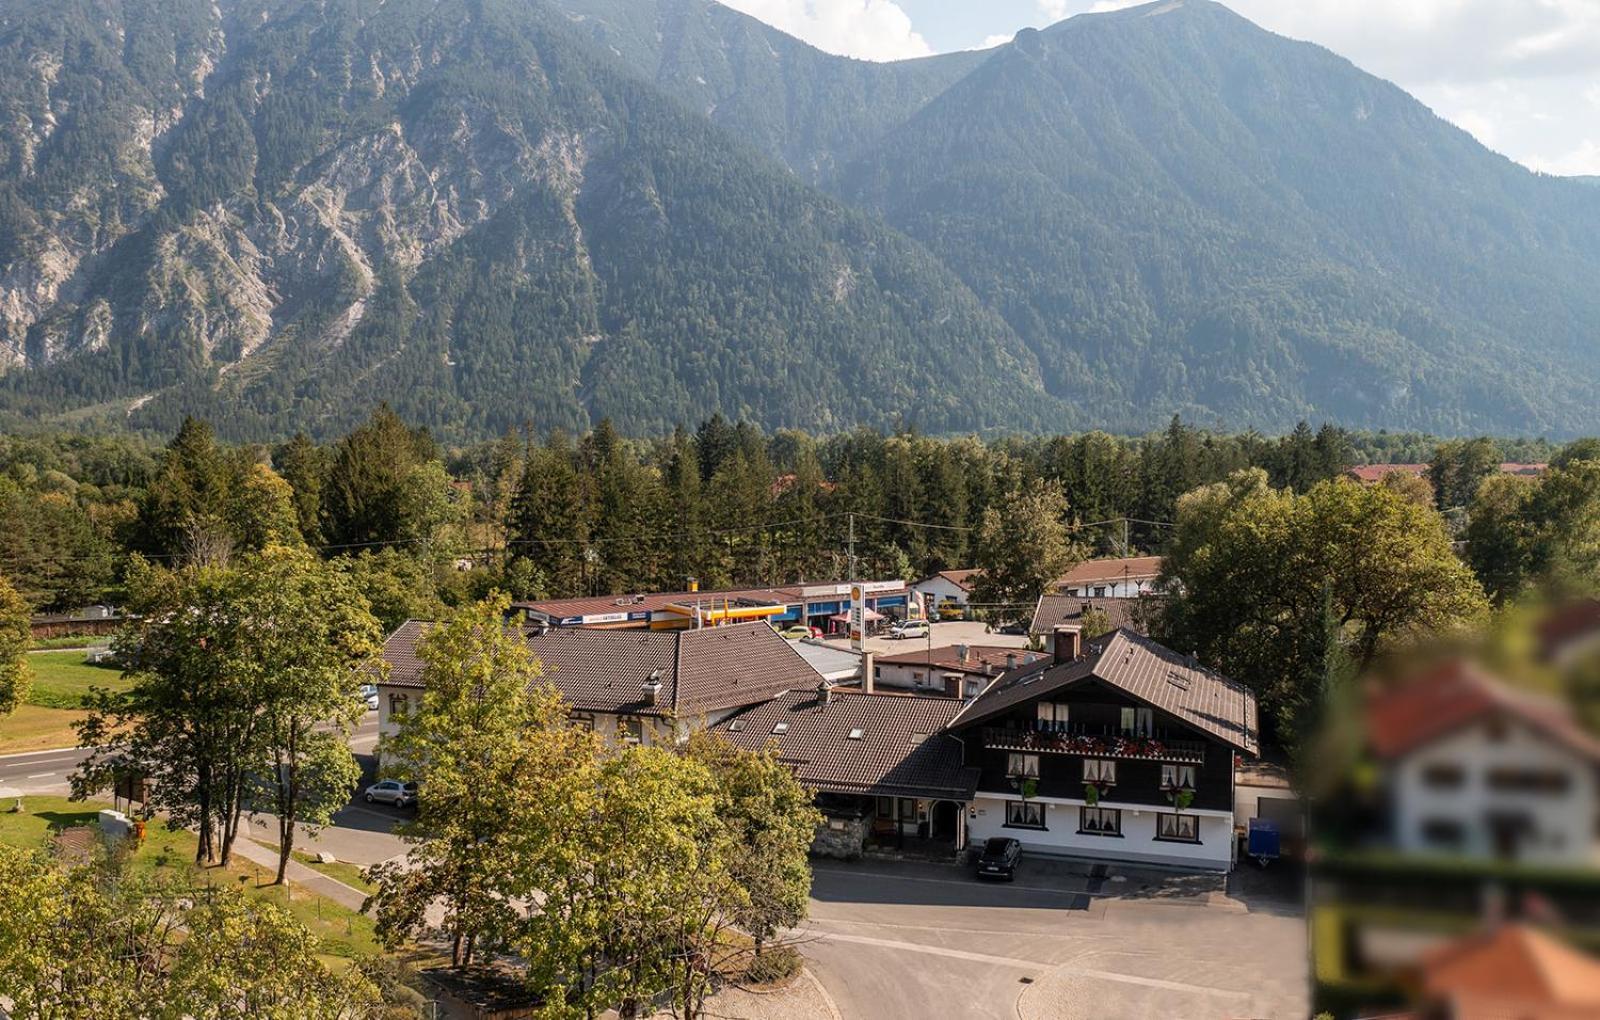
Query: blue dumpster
x=1262 y=842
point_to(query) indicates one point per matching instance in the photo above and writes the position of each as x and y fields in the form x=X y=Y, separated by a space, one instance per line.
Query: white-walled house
x=947 y=587
x=631 y=686
x=1151 y=732
x=1474 y=768
x=1118 y=578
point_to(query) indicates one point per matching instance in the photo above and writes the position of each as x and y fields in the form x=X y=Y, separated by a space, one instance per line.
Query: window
x=857 y=734
x=1515 y=780
x=399 y=704
x=1444 y=776
x=1178 y=828
x=1138 y=722
x=780 y=728
x=1024 y=814
x=630 y=729
x=885 y=807
x=908 y=809
x=583 y=721
x=1177 y=777
x=1099 y=591
x=1099 y=821
x=1052 y=717
x=1022 y=765
x=1099 y=770
x=1443 y=833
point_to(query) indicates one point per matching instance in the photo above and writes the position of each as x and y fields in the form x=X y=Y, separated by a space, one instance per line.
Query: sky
x=1522 y=75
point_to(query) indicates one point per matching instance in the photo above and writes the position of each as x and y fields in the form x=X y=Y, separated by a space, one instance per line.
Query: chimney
x=825 y=692
x=652 y=689
x=1011 y=661
x=1068 y=642
x=868 y=668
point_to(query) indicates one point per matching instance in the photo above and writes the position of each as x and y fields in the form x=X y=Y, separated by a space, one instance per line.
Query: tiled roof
x=1120 y=612
x=1150 y=672
x=900 y=752
x=1454 y=693
x=1106 y=570
x=985 y=659
x=700 y=671
x=1514 y=971
x=1371 y=473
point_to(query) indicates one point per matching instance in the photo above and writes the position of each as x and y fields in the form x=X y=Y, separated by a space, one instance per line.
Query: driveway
x=914 y=940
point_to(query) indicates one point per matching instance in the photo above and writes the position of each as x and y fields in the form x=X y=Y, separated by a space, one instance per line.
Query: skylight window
x=782 y=727
x=917 y=738
x=736 y=726
x=857 y=734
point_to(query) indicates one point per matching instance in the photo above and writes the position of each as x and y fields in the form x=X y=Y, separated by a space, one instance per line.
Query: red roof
x=1117 y=569
x=1371 y=473
x=1514 y=971
x=1451 y=695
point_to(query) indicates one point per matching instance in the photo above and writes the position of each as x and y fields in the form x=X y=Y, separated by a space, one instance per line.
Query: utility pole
x=851 y=517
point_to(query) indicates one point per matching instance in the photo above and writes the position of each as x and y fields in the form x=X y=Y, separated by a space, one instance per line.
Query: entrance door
x=944 y=819
x=1505 y=834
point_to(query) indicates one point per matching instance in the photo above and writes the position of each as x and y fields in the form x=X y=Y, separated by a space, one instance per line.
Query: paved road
x=901 y=939
x=47 y=771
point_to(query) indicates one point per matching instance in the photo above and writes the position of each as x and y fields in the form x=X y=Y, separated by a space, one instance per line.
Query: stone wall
x=840 y=837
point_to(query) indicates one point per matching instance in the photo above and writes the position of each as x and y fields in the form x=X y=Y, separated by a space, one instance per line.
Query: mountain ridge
x=493 y=211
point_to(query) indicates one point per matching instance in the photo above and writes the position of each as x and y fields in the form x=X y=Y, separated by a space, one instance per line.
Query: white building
x=946 y=588
x=1117 y=578
x=1477 y=769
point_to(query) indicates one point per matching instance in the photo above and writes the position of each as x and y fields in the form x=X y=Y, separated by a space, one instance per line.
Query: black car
x=999 y=858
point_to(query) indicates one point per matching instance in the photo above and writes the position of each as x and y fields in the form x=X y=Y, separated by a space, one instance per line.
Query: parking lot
x=908 y=939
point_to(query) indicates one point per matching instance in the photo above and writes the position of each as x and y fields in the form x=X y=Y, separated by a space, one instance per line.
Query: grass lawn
x=70 y=641
x=342 y=932
x=31 y=728
x=63 y=679
x=339 y=871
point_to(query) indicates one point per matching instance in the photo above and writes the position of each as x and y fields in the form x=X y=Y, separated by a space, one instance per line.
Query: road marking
x=946 y=881
x=40 y=775
x=1009 y=961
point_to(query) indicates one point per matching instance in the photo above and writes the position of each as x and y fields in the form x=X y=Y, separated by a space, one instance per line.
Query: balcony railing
x=1094 y=745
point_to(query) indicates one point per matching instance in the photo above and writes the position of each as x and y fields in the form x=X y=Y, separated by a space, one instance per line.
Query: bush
x=773 y=966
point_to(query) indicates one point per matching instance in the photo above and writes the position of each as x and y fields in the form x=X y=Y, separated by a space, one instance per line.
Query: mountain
x=275 y=212
x=1178 y=210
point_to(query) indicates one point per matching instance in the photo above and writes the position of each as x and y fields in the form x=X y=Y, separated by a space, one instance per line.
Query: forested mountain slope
x=1177 y=209
x=278 y=211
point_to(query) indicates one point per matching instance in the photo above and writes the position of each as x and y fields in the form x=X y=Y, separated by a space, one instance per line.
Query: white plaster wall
x=941 y=590
x=1562 y=824
x=1138 y=843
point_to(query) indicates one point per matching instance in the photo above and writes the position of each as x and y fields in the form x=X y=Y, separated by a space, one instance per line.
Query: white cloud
x=869 y=29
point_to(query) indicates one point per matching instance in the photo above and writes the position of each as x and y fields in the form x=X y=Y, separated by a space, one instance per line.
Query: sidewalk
x=306 y=878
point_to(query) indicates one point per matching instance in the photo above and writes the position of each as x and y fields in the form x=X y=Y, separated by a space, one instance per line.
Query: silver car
x=392 y=791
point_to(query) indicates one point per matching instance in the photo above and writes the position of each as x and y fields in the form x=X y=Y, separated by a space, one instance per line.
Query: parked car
x=369 y=694
x=999 y=858
x=392 y=791
x=910 y=629
x=796 y=632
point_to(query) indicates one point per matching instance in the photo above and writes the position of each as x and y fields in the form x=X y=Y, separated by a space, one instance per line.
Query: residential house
x=1118 y=578
x=1475 y=768
x=1508 y=971
x=881 y=764
x=632 y=686
x=1054 y=611
x=953 y=671
x=1115 y=747
x=947 y=588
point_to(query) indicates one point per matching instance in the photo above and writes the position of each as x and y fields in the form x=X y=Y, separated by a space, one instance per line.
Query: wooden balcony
x=1094 y=745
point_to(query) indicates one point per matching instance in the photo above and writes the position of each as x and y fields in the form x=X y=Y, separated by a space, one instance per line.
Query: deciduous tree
x=15 y=676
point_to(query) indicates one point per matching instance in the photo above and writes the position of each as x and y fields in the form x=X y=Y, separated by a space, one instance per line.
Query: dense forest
x=421 y=525
x=269 y=213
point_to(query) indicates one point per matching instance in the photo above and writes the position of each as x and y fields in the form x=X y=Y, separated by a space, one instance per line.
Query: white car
x=910 y=629
x=369 y=694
